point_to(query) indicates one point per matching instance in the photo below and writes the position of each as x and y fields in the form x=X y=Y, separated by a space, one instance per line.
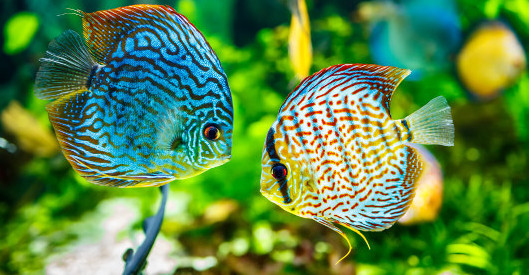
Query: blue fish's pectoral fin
x=66 y=68
x=103 y=30
x=431 y=124
x=329 y=224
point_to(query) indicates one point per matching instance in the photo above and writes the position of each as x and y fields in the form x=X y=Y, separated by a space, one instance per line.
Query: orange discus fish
x=335 y=155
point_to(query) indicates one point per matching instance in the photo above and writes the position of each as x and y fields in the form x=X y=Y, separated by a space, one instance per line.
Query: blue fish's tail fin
x=431 y=124
x=66 y=68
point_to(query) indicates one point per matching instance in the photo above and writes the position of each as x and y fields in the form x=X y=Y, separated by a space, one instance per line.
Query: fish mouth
x=223 y=159
x=218 y=161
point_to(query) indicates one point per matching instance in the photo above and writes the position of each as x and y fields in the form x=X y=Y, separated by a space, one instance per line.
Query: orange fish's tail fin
x=431 y=124
x=67 y=67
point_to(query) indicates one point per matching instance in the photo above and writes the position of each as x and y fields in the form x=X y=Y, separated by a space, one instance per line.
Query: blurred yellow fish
x=428 y=199
x=491 y=60
x=31 y=136
x=299 y=44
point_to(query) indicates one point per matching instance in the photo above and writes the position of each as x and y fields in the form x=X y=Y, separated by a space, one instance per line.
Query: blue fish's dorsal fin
x=104 y=29
x=67 y=67
x=352 y=78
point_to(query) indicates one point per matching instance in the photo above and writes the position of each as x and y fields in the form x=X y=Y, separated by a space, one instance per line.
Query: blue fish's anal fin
x=103 y=30
x=66 y=68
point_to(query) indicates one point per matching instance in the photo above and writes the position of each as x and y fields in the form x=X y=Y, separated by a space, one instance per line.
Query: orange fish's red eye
x=279 y=171
x=211 y=132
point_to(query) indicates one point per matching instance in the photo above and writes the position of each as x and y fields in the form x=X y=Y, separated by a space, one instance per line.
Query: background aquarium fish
x=491 y=60
x=299 y=42
x=428 y=198
x=421 y=35
x=335 y=155
x=140 y=100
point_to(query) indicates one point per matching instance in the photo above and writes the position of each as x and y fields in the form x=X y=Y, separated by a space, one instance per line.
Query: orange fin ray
x=329 y=224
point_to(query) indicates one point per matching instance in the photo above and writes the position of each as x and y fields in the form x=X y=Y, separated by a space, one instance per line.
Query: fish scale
x=152 y=86
x=335 y=154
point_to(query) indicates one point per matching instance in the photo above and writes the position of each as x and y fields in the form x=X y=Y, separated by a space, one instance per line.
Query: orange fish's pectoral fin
x=66 y=68
x=103 y=30
x=329 y=224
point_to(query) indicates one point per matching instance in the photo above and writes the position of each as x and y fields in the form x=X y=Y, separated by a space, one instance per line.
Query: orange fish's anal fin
x=329 y=224
x=350 y=227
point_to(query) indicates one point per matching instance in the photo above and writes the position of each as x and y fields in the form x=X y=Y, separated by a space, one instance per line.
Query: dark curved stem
x=135 y=262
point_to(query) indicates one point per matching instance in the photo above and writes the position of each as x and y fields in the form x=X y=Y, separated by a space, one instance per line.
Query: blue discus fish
x=416 y=34
x=141 y=100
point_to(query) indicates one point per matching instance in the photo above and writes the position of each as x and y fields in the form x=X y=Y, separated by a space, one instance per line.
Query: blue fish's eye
x=211 y=132
x=279 y=171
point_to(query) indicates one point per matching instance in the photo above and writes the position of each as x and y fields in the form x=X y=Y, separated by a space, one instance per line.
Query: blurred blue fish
x=417 y=34
x=141 y=100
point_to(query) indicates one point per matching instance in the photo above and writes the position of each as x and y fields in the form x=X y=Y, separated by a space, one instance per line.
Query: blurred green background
x=218 y=222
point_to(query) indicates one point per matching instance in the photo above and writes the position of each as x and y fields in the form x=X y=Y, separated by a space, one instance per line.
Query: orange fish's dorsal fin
x=379 y=81
x=383 y=79
x=329 y=224
x=104 y=29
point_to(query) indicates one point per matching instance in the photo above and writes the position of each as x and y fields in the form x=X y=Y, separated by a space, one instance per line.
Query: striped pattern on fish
x=153 y=88
x=334 y=154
